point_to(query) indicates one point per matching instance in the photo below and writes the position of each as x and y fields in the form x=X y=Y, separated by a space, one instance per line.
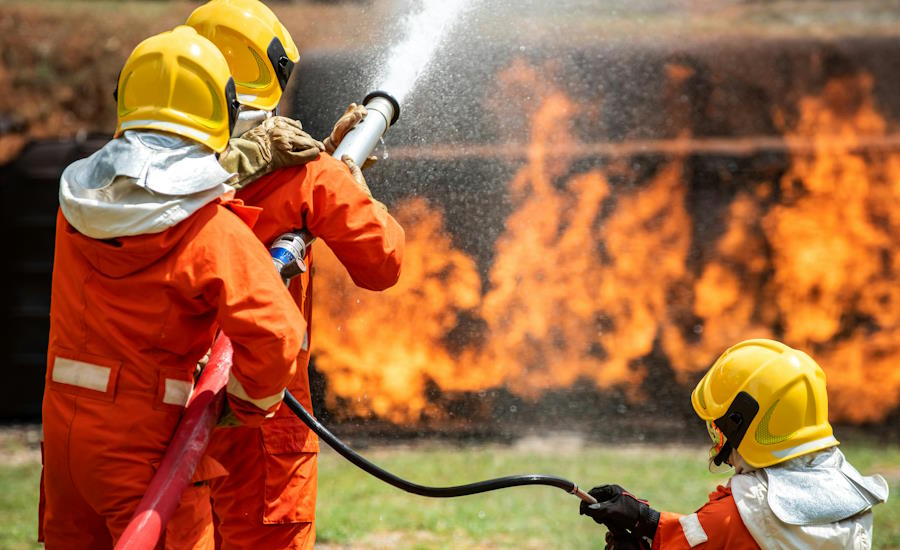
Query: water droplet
x=481 y=514
x=384 y=151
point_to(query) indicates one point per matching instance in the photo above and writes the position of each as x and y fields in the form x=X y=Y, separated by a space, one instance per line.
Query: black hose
x=415 y=488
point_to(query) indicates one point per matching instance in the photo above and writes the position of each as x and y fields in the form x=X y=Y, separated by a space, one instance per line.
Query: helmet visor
x=718 y=440
x=280 y=62
x=232 y=104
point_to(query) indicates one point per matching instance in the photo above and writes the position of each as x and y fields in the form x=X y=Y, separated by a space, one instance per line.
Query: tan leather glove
x=360 y=180
x=278 y=142
x=351 y=117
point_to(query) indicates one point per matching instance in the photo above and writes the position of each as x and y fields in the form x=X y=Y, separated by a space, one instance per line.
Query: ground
x=356 y=511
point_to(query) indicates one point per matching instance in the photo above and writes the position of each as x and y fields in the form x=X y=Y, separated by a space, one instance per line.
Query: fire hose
x=183 y=453
x=423 y=490
x=288 y=253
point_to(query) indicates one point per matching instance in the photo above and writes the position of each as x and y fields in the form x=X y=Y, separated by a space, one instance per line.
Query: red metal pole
x=184 y=452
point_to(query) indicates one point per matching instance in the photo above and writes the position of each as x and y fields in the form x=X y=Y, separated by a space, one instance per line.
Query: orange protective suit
x=717 y=524
x=268 y=499
x=129 y=319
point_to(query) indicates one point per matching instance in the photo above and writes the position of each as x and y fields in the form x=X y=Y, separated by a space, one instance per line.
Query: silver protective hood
x=143 y=182
x=161 y=163
x=821 y=488
x=814 y=489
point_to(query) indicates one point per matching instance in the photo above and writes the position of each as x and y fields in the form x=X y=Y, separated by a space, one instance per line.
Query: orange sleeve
x=366 y=239
x=717 y=524
x=253 y=308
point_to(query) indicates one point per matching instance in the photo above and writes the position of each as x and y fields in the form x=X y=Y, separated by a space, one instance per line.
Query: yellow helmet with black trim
x=259 y=50
x=177 y=82
x=767 y=400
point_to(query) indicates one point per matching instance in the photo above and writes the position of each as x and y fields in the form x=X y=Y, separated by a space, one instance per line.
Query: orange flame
x=831 y=277
x=835 y=241
x=378 y=350
x=589 y=277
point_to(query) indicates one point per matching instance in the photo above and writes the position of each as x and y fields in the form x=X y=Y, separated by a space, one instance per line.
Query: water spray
x=409 y=58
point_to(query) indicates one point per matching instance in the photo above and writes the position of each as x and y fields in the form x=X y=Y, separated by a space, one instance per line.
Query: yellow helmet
x=177 y=82
x=259 y=50
x=768 y=401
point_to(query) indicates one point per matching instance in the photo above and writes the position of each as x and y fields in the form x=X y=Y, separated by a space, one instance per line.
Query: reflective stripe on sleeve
x=81 y=374
x=236 y=389
x=693 y=531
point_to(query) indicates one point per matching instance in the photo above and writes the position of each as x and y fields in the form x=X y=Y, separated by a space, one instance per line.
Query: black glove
x=620 y=511
x=622 y=540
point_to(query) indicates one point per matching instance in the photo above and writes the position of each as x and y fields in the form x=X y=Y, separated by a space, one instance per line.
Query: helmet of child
x=769 y=401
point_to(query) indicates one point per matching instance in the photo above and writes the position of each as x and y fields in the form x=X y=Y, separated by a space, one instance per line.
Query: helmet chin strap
x=723 y=454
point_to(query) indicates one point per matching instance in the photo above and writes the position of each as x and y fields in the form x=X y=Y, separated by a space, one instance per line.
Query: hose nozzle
x=384 y=110
x=583 y=495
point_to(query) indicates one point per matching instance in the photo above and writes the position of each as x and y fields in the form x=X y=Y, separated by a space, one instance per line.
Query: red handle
x=184 y=452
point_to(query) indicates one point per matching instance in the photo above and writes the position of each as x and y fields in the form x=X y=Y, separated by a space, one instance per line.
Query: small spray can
x=287 y=253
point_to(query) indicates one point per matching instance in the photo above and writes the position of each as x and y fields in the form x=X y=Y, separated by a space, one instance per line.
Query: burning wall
x=589 y=277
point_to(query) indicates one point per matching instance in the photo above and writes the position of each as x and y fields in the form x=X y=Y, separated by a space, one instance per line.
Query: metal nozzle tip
x=391 y=99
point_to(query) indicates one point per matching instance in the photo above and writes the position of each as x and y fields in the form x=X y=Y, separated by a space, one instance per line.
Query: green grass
x=358 y=511
x=18 y=505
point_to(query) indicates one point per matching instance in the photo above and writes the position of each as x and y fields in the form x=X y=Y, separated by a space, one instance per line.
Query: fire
x=379 y=350
x=598 y=270
x=835 y=241
x=823 y=264
x=728 y=301
x=540 y=311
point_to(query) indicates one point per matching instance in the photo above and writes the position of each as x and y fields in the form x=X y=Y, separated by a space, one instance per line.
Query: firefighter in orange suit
x=268 y=498
x=152 y=255
x=766 y=411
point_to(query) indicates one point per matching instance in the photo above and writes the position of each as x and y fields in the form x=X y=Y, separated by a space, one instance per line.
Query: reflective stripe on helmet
x=807 y=447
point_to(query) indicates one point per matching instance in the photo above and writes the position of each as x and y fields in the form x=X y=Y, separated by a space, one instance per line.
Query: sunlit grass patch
x=358 y=511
